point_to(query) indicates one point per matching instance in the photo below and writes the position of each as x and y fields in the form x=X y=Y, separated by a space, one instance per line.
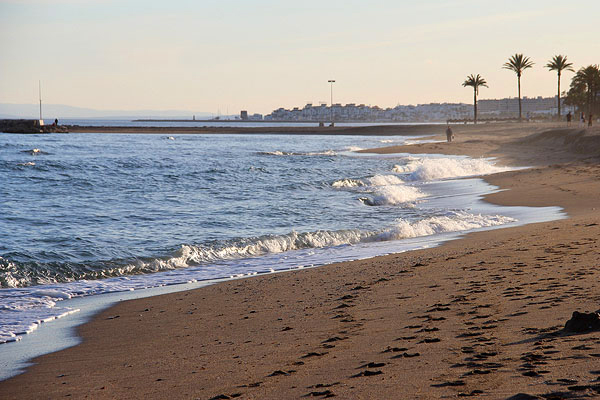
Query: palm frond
x=559 y=63
x=518 y=63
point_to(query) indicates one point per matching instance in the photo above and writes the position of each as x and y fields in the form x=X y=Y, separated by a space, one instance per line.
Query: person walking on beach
x=569 y=117
x=582 y=120
x=449 y=134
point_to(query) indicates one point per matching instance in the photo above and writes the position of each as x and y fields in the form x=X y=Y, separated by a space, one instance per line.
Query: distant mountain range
x=61 y=111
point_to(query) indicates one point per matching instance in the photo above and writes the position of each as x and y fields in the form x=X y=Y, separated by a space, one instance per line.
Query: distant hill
x=51 y=111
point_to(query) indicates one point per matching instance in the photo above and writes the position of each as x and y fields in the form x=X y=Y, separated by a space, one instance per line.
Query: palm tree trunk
x=475 y=106
x=559 y=95
x=519 y=85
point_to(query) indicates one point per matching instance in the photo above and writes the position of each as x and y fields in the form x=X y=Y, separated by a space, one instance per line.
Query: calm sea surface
x=84 y=214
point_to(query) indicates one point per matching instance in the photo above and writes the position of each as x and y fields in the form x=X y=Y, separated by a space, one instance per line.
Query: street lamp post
x=331 y=82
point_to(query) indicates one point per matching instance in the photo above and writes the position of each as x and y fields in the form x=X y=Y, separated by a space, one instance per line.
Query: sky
x=223 y=56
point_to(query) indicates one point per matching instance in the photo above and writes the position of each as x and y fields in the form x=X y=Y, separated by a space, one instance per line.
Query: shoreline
x=328 y=323
x=373 y=130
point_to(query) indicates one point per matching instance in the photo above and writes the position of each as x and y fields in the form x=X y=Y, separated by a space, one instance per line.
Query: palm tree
x=518 y=63
x=475 y=82
x=559 y=64
x=589 y=79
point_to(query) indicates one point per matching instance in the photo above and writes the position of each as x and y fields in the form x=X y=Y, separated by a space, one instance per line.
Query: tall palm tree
x=475 y=81
x=518 y=63
x=559 y=64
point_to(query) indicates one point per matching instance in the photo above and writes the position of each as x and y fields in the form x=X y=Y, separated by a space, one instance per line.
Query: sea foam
x=384 y=180
x=452 y=222
x=429 y=169
x=377 y=180
x=347 y=183
x=288 y=153
x=393 y=195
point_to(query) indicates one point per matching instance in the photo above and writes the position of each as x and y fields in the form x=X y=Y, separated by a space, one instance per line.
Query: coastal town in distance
x=533 y=107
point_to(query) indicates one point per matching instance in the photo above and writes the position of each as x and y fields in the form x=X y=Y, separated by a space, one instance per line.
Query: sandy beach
x=477 y=317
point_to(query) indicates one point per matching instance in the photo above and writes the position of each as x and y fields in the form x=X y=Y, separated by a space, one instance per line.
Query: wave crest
x=347 y=183
x=287 y=153
x=454 y=222
x=428 y=169
x=393 y=195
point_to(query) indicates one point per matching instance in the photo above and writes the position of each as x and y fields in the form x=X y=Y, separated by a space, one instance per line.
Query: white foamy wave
x=319 y=153
x=53 y=294
x=286 y=153
x=276 y=153
x=428 y=169
x=459 y=221
x=393 y=195
x=192 y=255
x=354 y=148
x=455 y=222
x=377 y=180
x=384 y=180
x=347 y=183
x=244 y=248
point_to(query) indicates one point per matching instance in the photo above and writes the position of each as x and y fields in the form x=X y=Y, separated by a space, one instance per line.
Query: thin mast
x=40 y=90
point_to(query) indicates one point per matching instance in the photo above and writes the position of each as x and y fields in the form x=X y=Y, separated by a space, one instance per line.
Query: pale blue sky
x=229 y=55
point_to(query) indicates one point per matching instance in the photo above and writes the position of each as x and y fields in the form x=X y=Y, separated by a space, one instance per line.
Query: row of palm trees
x=518 y=63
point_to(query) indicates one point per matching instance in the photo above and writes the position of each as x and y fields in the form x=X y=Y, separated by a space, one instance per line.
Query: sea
x=85 y=215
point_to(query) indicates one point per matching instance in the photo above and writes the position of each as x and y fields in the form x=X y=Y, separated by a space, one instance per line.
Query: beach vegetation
x=475 y=81
x=559 y=64
x=518 y=63
x=584 y=92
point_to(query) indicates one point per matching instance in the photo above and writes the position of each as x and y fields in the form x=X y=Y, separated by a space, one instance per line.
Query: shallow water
x=98 y=213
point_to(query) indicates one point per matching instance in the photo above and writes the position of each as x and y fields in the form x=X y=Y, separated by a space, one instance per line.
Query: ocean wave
x=384 y=180
x=275 y=153
x=429 y=169
x=452 y=222
x=287 y=153
x=353 y=148
x=347 y=183
x=377 y=180
x=23 y=274
x=393 y=195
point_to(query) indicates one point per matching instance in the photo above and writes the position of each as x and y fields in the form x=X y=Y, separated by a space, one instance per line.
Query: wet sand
x=477 y=317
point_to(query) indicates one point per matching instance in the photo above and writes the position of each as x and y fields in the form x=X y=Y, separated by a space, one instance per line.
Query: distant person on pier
x=55 y=121
x=449 y=134
x=569 y=118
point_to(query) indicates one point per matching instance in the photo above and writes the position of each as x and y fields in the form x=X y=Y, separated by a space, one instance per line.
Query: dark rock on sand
x=524 y=396
x=583 y=322
x=367 y=373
